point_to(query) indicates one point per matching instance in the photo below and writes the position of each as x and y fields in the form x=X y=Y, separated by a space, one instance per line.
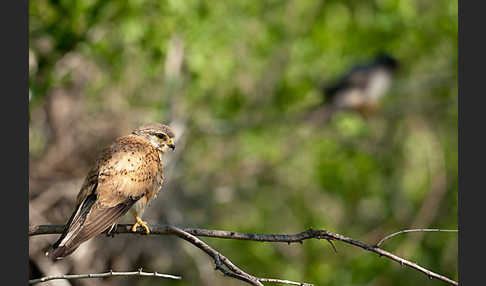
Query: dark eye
x=160 y=135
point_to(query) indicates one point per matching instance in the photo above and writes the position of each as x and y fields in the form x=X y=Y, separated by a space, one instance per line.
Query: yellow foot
x=141 y=223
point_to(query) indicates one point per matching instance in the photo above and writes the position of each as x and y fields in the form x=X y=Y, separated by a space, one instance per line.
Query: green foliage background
x=249 y=68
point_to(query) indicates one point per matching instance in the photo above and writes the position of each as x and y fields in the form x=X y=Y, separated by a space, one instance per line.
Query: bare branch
x=414 y=230
x=221 y=260
x=284 y=281
x=287 y=238
x=104 y=275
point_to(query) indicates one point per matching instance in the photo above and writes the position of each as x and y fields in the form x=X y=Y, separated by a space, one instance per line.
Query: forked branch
x=190 y=235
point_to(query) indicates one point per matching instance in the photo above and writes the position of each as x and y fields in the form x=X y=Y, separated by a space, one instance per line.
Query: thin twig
x=104 y=275
x=414 y=230
x=284 y=281
x=287 y=238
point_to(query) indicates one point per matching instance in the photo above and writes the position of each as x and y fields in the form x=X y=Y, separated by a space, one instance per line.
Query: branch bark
x=190 y=235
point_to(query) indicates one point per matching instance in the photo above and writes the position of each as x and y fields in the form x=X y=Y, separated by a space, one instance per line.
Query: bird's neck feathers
x=152 y=141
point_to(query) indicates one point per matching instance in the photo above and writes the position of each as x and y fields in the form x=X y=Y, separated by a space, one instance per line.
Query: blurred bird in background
x=360 y=89
x=127 y=176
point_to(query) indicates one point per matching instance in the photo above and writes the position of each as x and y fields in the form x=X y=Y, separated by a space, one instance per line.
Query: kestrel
x=126 y=176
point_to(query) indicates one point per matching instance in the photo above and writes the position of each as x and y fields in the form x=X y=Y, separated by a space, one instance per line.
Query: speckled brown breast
x=130 y=168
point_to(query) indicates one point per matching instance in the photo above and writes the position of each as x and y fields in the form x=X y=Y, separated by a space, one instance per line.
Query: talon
x=141 y=223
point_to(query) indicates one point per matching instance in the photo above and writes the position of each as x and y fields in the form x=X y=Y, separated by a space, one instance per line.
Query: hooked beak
x=171 y=144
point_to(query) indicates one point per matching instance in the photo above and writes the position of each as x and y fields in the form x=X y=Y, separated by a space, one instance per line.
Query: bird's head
x=387 y=61
x=159 y=135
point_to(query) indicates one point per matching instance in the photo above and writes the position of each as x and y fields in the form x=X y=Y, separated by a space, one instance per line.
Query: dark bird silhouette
x=360 y=89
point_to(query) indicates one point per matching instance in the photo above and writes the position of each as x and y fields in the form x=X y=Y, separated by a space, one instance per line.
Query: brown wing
x=89 y=220
x=126 y=171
